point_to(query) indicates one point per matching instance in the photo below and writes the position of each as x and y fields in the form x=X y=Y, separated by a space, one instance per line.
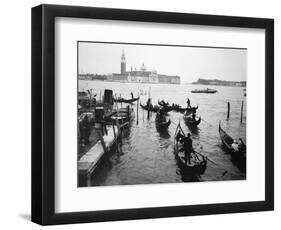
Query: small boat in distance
x=207 y=90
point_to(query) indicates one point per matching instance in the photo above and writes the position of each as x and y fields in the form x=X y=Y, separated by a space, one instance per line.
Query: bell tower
x=123 y=63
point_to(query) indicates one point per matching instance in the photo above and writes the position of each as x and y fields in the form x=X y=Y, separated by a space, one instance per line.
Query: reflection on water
x=147 y=153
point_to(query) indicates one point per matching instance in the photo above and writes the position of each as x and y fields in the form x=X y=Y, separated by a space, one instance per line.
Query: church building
x=142 y=75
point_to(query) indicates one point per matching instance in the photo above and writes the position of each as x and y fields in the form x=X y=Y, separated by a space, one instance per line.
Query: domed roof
x=143 y=68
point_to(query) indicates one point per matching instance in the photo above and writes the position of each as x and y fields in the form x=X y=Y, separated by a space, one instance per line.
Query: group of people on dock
x=85 y=130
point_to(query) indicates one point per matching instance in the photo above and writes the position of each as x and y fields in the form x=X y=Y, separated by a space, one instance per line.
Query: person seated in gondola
x=241 y=145
x=235 y=146
x=193 y=117
x=187 y=146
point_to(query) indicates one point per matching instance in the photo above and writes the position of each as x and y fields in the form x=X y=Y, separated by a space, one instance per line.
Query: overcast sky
x=190 y=63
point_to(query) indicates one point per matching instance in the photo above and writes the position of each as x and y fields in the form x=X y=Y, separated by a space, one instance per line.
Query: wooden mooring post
x=242 y=112
x=138 y=110
x=128 y=113
x=143 y=114
x=228 y=109
x=148 y=109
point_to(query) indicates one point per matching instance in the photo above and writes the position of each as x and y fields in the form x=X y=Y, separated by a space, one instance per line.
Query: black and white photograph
x=140 y=114
x=151 y=113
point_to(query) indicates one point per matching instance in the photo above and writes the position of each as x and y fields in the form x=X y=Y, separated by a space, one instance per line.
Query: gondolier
x=189 y=164
x=187 y=146
x=188 y=103
x=148 y=102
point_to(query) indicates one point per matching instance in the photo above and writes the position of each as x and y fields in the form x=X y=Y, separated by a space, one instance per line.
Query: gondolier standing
x=187 y=146
x=188 y=103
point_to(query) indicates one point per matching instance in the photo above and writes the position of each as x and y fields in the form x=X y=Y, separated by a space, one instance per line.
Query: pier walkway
x=88 y=162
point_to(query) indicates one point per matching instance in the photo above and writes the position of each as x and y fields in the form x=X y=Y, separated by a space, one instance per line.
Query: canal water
x=147 y=155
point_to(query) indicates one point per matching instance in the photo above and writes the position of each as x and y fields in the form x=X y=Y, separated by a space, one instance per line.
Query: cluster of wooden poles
x=228 y=111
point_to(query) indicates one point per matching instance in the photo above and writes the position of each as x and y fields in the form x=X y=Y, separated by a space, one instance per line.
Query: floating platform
x=89 y=162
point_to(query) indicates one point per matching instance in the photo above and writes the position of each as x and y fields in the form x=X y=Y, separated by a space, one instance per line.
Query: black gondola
x=151 y=108
x=178 y=108
x=156 y=108
x=167 y=109
x=163 y=103
x=228 y=141
x=198 y=162
x=123 y=100
x=165 y=106
x=162 y=123
x=189 y=121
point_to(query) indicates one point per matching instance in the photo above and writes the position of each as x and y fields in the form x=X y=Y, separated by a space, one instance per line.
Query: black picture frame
x=43 y=113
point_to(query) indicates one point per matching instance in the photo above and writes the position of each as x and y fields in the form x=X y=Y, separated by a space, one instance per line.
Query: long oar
x=219 y=166
x=225 y=171
x=207 y=122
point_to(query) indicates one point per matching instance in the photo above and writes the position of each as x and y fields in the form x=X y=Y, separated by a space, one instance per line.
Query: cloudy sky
x=190 y=63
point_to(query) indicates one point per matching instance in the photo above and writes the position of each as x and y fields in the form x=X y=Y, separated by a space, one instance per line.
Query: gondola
x=156 y=108
x=163 y=103
x=151 y=108
x=166 y=109
x=123 y=100
x=198 y=162
x=162 y=124
x=165 y=106
x=228 y=141
x=178 y=108
x=189 y=121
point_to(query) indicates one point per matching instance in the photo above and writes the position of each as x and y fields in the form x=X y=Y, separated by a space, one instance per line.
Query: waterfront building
x=141 y=75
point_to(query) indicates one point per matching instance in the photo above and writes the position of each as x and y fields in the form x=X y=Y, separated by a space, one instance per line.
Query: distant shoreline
x=154 y=83
x=215 y=82
x=143 y=83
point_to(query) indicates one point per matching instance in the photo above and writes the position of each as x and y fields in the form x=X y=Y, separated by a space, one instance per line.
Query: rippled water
x=147 y=155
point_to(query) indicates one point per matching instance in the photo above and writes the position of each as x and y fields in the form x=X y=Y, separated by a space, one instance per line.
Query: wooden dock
x=89 y=162
x=118 y=122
